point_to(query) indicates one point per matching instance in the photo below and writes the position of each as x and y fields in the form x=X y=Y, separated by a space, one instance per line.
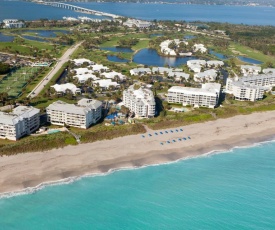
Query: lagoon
x=45 y=33
x=249 y=60
x=207 y=13
x=189 y=37
x=219 y=13
x=33 y=38
x=6 y=38
x=116 y=59
x=218 y=55
x=151 y=57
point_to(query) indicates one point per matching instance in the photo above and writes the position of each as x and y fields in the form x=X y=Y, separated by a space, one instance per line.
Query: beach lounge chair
x=143 y=136
x=189 y=137
x=149 y=135
x=181 y=130
x=168 y=142
x=179 y=139
x=166 y=131
x=184 y=138
x=171 y=131
x=177 y=130
x=174 y=141
x=161 y=143
x=156 y=133
x=161 y=132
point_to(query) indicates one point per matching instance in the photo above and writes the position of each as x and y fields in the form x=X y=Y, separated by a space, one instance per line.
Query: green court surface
x=14 y=82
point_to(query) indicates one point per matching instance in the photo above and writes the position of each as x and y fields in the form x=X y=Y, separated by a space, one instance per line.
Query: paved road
x=54 y=70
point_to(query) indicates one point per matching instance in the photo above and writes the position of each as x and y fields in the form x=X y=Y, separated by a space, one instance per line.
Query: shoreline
x=69 y=180
x=25 y=173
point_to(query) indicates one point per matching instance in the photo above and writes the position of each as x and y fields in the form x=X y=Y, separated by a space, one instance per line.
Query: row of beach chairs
x=163 y=132
x=176 y=140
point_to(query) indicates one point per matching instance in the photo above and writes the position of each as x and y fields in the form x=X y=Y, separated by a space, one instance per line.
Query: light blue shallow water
x=233 y=190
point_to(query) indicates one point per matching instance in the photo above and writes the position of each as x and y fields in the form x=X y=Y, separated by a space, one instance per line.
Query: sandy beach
x=31 y=169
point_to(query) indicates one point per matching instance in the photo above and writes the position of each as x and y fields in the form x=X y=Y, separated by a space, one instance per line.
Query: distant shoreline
x=34 y=170
x=198 y=2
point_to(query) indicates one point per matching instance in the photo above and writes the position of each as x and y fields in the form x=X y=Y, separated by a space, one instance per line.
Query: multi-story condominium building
x=246 y=92
x=267 y=80
x=13 y=23
x=82 y=115
x=269 y=70
x=20 y=122
x=140 y=101
x=207 y=96
x=250 y=88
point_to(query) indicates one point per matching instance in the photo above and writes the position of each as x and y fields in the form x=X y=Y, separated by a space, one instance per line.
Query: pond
x=249 y=60
x=189 y=37
x=151 y=57
x=6 y=38
x=118 y=49
x=116 y=59
x=218 y=55
x=44 y=33
x=33 y=38
x=155 y=35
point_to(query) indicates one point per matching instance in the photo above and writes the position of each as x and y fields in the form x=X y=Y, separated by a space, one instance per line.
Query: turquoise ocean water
x=230 y=190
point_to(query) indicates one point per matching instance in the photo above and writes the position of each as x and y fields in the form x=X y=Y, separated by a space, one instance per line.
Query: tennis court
x=14 y=82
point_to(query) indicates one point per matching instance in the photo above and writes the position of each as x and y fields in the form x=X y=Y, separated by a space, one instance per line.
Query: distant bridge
x=79 y=9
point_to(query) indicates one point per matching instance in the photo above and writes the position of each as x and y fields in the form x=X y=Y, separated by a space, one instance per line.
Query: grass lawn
x=28 y=48
x=114 y=39
x=255 y=54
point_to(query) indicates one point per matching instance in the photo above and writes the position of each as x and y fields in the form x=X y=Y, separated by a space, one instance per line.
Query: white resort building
x=63 y=88
x=81 y=61
x=208 y=75
x=140 y=71
x=199 y=47
x=164 y=46
x=80 y=71
x=105 y=83
x=196 y=65
x=82 y=115
x=250 y=88
x=214 y=64
x=113 y=75
x=82 y=78
x=250 y=70
x=99 y=68
x=207 y=96
x=23 y=120
x=137 y=23
x=13 y=23
x=140 y=101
